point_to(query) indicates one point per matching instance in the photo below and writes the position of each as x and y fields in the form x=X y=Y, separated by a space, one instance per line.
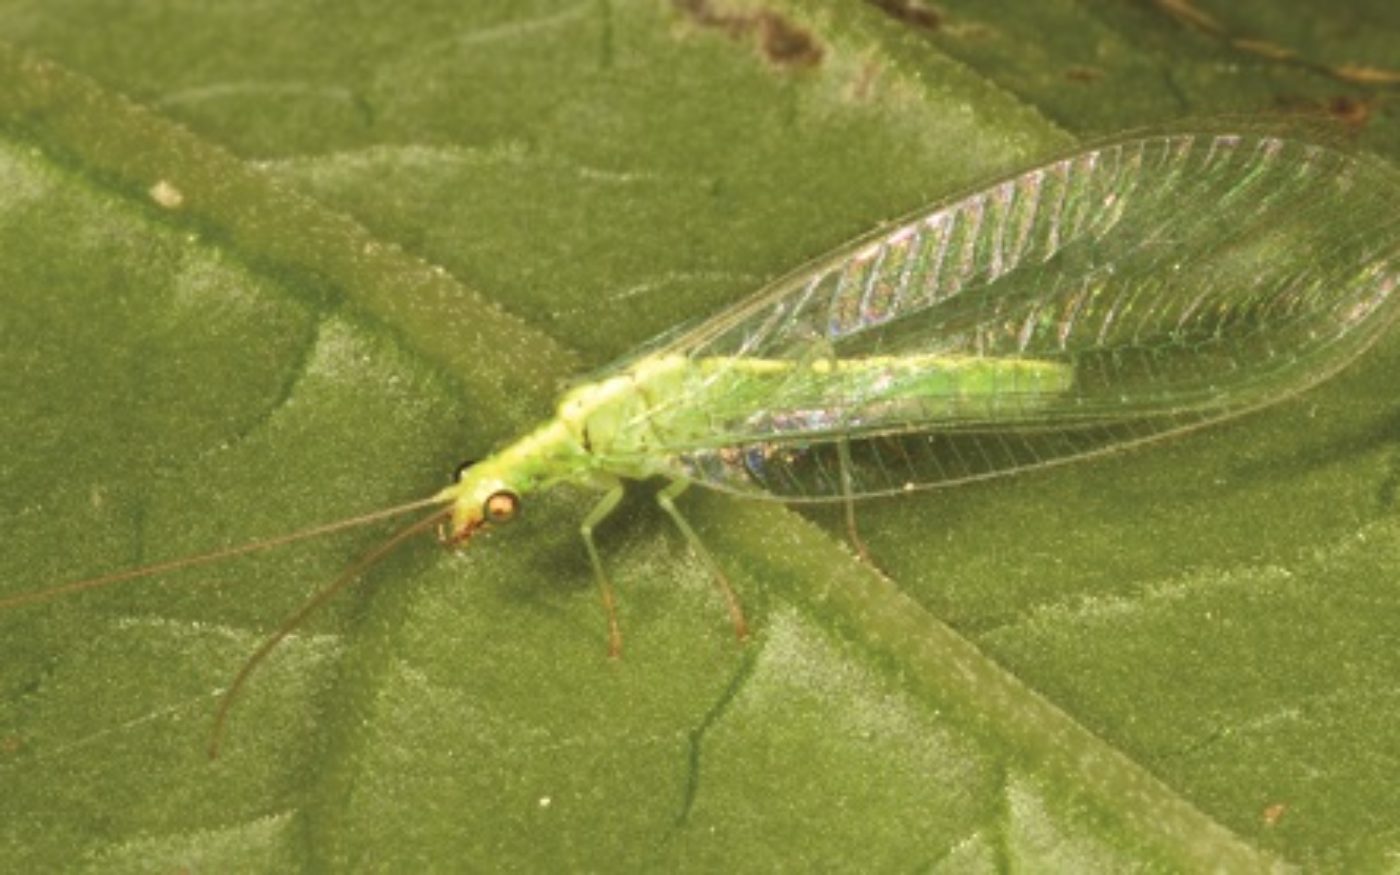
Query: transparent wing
x=1117 y=295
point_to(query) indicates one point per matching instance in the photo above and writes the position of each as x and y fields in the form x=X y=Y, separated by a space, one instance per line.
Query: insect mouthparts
x=454 y=540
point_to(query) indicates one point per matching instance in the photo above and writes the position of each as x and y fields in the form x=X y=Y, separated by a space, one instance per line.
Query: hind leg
x=843 y=454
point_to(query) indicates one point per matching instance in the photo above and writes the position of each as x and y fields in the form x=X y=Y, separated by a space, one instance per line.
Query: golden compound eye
x=501 y=507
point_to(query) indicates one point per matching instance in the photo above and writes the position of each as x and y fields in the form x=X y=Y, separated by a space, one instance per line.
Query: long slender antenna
x=42 y=595
x=347 y=577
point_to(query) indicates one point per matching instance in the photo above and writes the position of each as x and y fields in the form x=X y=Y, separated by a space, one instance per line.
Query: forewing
x=1169 y=281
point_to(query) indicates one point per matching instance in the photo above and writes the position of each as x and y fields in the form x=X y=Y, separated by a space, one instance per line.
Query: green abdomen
x=670 y=403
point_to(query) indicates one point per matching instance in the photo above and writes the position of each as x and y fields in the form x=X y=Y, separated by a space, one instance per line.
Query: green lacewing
x=1117 y=295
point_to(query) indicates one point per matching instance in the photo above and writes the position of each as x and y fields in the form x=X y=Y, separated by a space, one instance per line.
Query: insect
x=1120 y=294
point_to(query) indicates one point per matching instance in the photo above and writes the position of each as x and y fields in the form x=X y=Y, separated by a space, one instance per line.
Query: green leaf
x=266 y=266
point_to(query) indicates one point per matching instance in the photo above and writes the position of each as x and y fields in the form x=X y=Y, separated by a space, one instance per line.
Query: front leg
x=605 y=506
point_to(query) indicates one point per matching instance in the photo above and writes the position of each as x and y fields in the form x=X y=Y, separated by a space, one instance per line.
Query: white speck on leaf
x=165 y=194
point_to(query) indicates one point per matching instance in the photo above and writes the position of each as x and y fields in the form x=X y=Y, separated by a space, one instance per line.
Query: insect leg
x=843 y=461
x=606 y=505
x=843 y=454
x=666 y=498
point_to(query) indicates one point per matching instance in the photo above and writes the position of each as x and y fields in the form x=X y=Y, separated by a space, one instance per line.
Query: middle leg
x=666 y=498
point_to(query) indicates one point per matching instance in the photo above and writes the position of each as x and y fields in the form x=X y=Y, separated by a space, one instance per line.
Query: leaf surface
x=266 y=266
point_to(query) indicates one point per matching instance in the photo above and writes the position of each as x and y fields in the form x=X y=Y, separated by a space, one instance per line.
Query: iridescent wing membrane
x=1120 y=294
